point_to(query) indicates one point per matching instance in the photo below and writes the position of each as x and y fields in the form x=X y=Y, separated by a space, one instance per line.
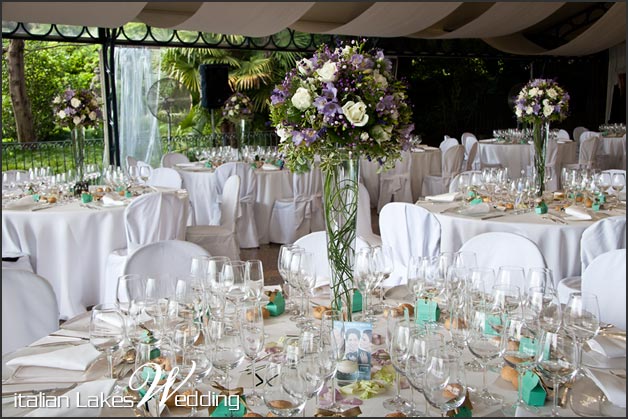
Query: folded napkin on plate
x=74 y=358
x=445 y=197
x=112 y=200
x=99 y=389
x=418 y=150
x=609 y=347
x=577 y=213
x=481 y=208
x=24 y=203
x=613 y=387
x=267 y=166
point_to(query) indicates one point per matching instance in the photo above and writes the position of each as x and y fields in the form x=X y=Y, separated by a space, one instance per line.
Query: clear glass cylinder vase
x=77 y=137
x=540 y=133
x=340 y=201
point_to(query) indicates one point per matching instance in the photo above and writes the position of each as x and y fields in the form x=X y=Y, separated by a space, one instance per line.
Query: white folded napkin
x=482 y=208
x=613 y=387
x=609 y=347
x=24 y=203
x=73 y=358
x=577 y=213
x=267 y=166
x=445 y=197
x=92 y=390
x=112 y=200
x=418 y=150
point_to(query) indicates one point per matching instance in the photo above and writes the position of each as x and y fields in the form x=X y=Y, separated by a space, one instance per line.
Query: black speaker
x=214 y=85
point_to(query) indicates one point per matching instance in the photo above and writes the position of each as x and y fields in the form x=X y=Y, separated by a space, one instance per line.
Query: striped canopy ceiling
x=513 y=27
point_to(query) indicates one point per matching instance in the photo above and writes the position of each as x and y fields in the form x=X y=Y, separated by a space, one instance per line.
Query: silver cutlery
x=42 y=207
x=41 y=390
x=488 y=217
x=90 y=207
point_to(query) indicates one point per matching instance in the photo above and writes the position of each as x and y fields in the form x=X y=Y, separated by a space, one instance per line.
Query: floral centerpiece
x=338 y=105
x=539 y=102
x=78 y=109
x=237 y=106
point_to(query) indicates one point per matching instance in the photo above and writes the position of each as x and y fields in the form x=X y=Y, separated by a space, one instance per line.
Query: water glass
x=106 y=331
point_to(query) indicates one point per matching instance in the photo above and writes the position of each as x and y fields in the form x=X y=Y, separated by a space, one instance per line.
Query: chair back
x=165 y=177
x=230 y=203
x=562 y=134
x=394 y=184
x=163 y=257
x=316 y=243
x=472 y=153
x=577 y=131
x=29 y=309
x=308 y=198
x=499 y=248
x=248 y=179
x=588 y=148
x=601 y=237
x=171 y=159
x=410 y=231
x=447 y=143
x=452 y=162
x=154 y=217
x=363 y=223
x=606 y=278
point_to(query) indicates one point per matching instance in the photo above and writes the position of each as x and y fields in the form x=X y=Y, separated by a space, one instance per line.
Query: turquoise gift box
x=356 y=302
x=427 y=311
x=532 y=392
x=277 y=306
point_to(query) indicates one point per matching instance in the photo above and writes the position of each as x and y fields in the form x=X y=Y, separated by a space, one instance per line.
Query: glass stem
x=398 y=384
x=333 y=392
x=110 y=363
x=519 y=383
x=579 y=356
x=193 y=410
x=484 y=385
x=365 y=300
x=253 y=376
x=555 y=400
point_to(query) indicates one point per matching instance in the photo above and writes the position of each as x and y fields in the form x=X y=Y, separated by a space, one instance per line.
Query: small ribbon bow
x=353 y=412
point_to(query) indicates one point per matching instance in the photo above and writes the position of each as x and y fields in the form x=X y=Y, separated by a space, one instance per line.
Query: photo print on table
x=356 y=363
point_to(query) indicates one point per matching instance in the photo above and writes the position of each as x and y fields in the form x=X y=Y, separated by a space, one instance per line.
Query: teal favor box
x=277 y=306
x=476 y=201
x=356 y=302
x=86 y=198
x=532 y=392
x=427 y=311
x=541 y=208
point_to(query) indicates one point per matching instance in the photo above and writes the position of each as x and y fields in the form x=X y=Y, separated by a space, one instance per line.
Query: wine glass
x=383 y=265
x=234 y=281
x=618 y=182
x=214 y=274
x=227 y=348
x=398 y=350
x=556 y=360
x=281 y=373
x=197 y=362
x=420 y=344
x=333 y=332
x=283 y=262
x=305 y=279
x=145 y=172
x=444 y=382
x=252 y=337
x=362 y=276
x=254 y=272
x=106 y=331
x=540 y=277
x=604 y=181
x=581 y=318
x=542 y=309
x=130 y=297
x=511 y=275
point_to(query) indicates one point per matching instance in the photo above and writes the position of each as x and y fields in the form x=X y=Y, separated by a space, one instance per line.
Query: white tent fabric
x=500 y=24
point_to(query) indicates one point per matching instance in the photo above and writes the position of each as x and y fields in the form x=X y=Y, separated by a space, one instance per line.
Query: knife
x=488 y=217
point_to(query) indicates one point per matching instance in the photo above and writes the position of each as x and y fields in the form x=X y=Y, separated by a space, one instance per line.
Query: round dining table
x=557 y=237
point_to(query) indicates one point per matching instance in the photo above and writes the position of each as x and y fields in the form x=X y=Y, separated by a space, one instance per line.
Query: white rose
x=529 y=110
x=548 y=110
x=552 y=93
x=92 y=115
x=301 y=99
x=327 y=72
x=305 y=66
x=539 y=92
x=57 y=100
x=61 y=114
x=75 y=102
x=379 y=79
x=355 y=113
x=364 y=136
x=533 y=92
x=76 y=120
x=283 y=134
x=518 y=112
x=233 y=99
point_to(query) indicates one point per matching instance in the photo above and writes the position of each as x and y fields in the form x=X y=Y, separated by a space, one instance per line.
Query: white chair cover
x=221 y=240
x=453 y=186
x=562 y=134
x=606 y=278
x=370 y=178
x=410 y=231
x=498 y=248
x=171 y=159
x=163 y=257
x=472 y=158
x=29 y=309
x=148 y=218
x=577 y=131
x=394 y=184
x=165 y=177
x=316 y=243
x=552 y=164
x=447 y=143
x=600 y=237
x=364 y=223
x=452 y=161
x=247 y=229
x=16 y=260
x=296 y=217
x=588 y=149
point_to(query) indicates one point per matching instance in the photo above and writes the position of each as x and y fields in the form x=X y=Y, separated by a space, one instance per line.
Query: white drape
x=616 y=65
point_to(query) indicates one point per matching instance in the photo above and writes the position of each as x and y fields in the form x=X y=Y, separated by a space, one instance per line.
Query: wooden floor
x=268 y=254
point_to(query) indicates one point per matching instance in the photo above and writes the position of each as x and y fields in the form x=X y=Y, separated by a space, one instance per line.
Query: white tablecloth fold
x=24 y=203
x=614 y=388
x=609 y=347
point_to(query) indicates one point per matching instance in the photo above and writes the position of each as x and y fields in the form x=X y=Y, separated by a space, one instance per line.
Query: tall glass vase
x=242 y=127
x=340 y=201
x=77 y=136
x=540 y=132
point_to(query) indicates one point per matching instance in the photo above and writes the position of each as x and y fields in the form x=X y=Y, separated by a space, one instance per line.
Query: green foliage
x=50 y=68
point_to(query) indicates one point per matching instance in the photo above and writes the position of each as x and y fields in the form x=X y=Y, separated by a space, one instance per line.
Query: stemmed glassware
x=280 y=374
x=227 y=347
x=252 y=336
x=581 y=318
x=195 y=360
x=254 y=272
x=420 y=344
x=130 y=298
x=106 y=331
x=383 y=268
x=444 y=383
x=399 y=344
x=364 y=278
x=145 y=172
x=283 y=262
x=511 y=275
x=332 y=332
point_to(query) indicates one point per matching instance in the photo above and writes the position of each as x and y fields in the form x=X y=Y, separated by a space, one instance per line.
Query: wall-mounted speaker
x=214 y=85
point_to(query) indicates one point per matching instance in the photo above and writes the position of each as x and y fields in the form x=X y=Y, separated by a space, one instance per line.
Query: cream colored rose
x=529 y=110
x=533 y=92
x=283 y=134
x=92 y=115
x=75 y=102
x=61 y=114
x=379 y=79
x=548 y=110
x=327 y=72
x=355 y=113
x=552 y=93
x=302 y=99
x=518 y=112
x=76 y=120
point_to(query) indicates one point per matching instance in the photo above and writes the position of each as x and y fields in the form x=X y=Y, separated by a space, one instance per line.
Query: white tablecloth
x=517 y=157
x=559 y=243
x=614 y=148
x=201 y=185
x=68 y=245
